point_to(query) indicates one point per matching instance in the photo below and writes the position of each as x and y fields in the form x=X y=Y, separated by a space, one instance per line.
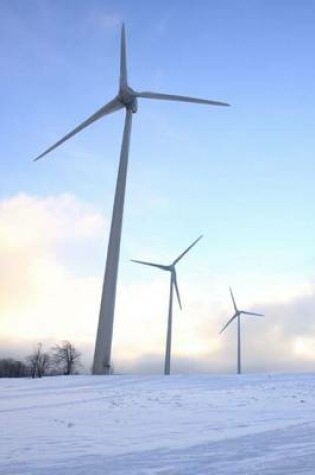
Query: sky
x=242 y=176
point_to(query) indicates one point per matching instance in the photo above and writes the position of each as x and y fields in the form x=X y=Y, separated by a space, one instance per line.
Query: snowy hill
x=249 y=424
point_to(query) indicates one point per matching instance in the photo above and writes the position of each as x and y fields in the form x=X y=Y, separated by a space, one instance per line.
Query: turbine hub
x=127 y=97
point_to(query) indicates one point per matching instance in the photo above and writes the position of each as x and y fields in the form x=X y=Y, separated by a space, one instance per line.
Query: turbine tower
x=173 y=284
x=237 y=315
x=127 y=98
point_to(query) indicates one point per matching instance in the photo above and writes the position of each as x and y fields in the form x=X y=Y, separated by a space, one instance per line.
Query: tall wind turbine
x=173 y=284
x=237 y=315
x=127 y=98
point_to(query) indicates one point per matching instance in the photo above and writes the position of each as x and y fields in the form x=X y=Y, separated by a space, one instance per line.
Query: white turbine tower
x=127 y=99
x=173 y=284
x=237 y=315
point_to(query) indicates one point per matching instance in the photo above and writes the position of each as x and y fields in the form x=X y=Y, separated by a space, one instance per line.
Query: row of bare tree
x=62 y=358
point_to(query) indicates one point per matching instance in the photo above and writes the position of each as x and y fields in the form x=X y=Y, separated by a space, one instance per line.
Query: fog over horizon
x=63 y=306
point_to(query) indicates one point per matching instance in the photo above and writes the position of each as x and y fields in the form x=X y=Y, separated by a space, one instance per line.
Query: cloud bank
x=48 y=294
x=40 y=297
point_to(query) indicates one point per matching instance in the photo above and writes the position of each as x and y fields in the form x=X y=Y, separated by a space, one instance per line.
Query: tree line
x=63 y=358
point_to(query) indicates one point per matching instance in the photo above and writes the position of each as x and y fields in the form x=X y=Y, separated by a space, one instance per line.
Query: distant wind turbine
x=173 y=284
x=237 y=315
x=127 y=99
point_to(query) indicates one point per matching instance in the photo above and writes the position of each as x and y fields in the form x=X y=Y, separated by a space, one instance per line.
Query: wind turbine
x=173 y=285
x=237 y=315
x=127 y=98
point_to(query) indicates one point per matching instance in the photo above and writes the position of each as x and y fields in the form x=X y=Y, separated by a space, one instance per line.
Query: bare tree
x=66 y=356
x=38 y=362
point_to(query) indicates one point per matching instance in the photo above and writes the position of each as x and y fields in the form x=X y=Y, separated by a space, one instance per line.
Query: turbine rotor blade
x=177 y=290
x=171 y=97
x=109 y=108
x=228 y=323
x=123 y=58
x=186 y=250
x=252 y=313
x=152 y=264
x=233 y=300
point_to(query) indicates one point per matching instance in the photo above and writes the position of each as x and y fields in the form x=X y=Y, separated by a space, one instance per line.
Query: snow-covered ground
x=249 y=424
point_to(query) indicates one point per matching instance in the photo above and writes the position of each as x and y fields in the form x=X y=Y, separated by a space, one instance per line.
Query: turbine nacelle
x=128 y=97
x=238 y=313
x=171 y=268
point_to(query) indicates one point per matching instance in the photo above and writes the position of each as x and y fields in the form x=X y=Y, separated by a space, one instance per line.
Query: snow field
x=185 y=424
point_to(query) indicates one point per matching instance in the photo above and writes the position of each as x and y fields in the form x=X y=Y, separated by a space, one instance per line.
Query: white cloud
x=39 y=297
x=281 y=341
x=43 y=299
x=27 y=221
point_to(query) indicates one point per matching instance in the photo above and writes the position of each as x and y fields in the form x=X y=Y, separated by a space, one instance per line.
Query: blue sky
x=243 y=175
